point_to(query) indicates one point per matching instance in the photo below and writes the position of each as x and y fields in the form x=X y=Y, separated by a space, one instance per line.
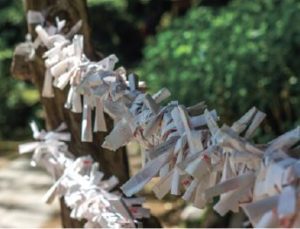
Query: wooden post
x=111 y=163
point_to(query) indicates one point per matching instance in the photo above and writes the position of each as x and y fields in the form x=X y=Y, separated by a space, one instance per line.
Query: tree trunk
x=111 y=163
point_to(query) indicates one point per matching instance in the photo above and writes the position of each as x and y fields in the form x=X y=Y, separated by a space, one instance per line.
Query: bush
x=233 y=57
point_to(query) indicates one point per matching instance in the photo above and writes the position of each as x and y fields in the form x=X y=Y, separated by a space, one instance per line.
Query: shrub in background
x=233 y=57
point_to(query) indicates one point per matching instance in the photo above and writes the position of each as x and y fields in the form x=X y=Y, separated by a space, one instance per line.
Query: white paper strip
x=86 y=131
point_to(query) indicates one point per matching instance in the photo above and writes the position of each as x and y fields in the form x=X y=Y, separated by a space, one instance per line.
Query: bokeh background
x=232 y=54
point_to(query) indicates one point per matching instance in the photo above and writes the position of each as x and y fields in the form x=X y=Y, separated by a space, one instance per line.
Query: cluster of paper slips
x=81 y=184
x=193 y=155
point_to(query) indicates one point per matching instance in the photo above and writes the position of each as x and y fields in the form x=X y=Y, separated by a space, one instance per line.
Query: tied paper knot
x=49 y=151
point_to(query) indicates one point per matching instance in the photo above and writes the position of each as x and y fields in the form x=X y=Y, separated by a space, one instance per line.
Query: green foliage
x=233 y=57
x=120 y=4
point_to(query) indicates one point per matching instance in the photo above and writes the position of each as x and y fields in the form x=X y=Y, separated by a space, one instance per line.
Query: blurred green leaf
x=233 y=57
